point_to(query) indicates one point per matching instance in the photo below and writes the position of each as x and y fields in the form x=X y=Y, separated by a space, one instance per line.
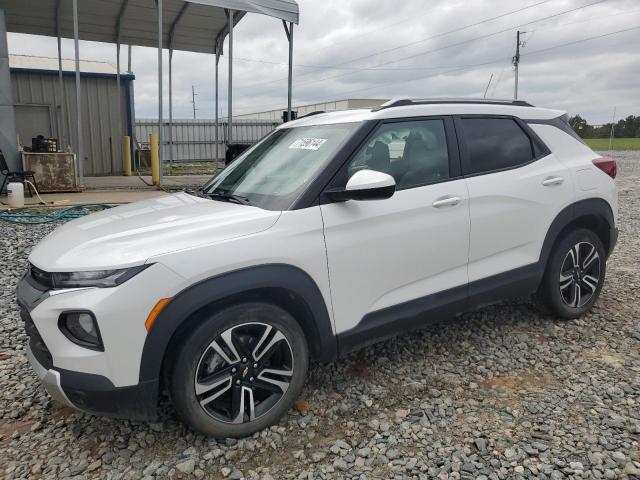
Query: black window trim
x=561 y=122
x=453 y=151
x=534 y=139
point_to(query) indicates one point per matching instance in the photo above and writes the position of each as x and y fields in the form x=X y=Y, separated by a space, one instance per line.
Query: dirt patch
x=529 y=380
x=608 y=358
x=7 y=429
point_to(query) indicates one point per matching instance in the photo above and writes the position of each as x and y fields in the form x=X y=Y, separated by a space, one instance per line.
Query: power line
x=455 y=70
x=394 y=69
x=333 y=67
x=444 y=47
x=437 y=35
x=528 y=54
x=413 y=17
x=455 y=30
x=533 y=52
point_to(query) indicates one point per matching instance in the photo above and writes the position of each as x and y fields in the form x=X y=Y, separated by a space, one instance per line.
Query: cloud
x=590 y=77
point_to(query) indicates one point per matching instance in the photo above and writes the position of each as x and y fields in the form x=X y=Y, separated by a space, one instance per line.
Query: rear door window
x=494 y=144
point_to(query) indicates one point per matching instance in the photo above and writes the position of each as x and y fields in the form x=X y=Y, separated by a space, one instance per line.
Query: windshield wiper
x=228 y=197
x=199 y=192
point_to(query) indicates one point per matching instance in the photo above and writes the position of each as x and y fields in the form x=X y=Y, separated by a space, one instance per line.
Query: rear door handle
x=550 y=181
x=448 y=201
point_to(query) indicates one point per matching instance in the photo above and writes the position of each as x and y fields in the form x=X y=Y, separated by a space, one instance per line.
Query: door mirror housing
x=365 y=185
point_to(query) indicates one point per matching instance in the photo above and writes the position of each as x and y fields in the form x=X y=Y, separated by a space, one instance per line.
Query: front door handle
x=448 y=201
x=550 y=181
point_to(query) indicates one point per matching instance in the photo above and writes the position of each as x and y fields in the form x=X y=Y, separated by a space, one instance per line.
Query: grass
x=602 y=144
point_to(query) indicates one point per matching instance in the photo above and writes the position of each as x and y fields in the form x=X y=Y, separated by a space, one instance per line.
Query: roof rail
x=403 y=102
x=311 y=114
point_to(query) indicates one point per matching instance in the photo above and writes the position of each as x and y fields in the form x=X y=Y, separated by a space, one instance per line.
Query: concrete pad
x=143 y=182
x=114 y=190
x=89 y=196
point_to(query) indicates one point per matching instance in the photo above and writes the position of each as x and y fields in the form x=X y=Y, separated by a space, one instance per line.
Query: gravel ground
x=503 y=393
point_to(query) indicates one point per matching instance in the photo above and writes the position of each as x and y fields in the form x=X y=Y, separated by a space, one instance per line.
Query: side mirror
x=365 y=185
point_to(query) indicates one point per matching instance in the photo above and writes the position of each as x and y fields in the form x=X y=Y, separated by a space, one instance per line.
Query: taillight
x=607 y=165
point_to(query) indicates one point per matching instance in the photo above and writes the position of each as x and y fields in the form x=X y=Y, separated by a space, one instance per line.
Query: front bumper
x=50 y=379
x=84 y=391
x=96 y=394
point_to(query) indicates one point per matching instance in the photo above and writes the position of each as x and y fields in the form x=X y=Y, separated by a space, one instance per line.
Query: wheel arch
x=284 y=285
x=594 y=214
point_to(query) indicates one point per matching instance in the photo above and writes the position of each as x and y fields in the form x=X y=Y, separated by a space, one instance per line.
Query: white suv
x=318 y=240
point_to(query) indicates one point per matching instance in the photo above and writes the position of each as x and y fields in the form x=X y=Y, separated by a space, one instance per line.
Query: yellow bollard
x=155 y=159
x=126 y=150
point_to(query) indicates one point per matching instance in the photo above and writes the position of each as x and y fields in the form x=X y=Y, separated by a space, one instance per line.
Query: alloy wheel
x=580 y=275
x=244 y=372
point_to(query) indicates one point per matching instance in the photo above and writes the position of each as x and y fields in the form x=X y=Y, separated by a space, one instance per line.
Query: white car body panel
x=577 y=157
x=296 y=239
x=120 y=313
x=386 y=252
x=128 y=235
x=511 y=212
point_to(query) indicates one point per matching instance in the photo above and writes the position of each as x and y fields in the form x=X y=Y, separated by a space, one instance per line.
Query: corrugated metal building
x=195 y=140
x=38 y=108
x=276 y=115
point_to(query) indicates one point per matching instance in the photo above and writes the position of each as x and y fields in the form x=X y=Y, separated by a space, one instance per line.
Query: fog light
x=81 y=328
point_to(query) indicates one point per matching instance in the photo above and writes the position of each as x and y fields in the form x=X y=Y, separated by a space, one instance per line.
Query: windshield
x=277 y=170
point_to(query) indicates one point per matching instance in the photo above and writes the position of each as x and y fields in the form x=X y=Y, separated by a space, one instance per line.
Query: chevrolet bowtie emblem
x=245 y=371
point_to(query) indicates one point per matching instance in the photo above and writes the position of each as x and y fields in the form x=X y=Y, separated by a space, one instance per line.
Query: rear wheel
x=575 y=274
x=239 y=372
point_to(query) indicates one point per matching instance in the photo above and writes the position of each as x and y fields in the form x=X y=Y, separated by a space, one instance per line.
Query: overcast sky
x=384 y=49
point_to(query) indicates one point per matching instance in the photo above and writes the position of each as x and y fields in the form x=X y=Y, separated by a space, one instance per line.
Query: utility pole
x=613 y=126
x=516 y=62
x=193 y=100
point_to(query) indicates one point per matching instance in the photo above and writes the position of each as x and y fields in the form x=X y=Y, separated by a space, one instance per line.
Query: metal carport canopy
x=133 y=22
x=187 y=25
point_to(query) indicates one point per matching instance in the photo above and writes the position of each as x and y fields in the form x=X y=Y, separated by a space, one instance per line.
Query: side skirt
x=418 y=313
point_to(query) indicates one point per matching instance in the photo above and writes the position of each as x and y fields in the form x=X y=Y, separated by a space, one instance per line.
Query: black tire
x=197 y=358
x=558 y=292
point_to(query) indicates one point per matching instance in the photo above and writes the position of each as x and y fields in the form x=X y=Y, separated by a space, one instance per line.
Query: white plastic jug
x=15 y=194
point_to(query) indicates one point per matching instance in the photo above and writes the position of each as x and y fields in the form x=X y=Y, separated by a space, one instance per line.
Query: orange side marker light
x=155 y=311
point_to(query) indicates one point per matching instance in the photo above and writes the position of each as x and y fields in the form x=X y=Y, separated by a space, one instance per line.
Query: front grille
x=38 y=347
x=40 y=277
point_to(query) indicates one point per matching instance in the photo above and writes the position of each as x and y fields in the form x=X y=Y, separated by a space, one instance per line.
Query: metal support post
x=170 y=109
x=8 y=143
x=217 y=135
x=160 y=118
x=62 y=93
x=119 y=87
x=289 y=32
x=230 y=94
x=80 y=149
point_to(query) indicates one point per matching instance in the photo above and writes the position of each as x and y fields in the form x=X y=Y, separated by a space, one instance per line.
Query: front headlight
x=96 y=278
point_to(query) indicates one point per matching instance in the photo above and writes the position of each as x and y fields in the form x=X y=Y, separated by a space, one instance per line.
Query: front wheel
x=575 y=274
x=239 y=371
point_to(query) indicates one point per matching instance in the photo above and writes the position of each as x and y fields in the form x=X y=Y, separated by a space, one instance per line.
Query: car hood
x=130 y=234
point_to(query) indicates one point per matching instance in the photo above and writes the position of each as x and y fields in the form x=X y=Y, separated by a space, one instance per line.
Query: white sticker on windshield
x=308 y=143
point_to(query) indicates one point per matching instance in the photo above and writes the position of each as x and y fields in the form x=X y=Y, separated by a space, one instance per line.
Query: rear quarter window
x=495 y=144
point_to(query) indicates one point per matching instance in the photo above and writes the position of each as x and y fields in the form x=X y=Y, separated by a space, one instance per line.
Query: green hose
x=76 y=211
